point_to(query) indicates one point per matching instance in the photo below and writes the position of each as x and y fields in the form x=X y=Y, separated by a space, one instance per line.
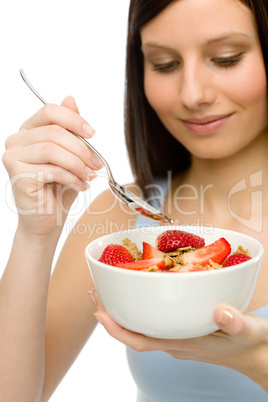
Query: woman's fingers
x=238 y=331
x=49 y=153
x=48 y=165
x=69 y=103
x=127 y=337
x=134 y=340
x=52 y=153
x=52 y=125
x=62 y=116
x=57 y=135
x=143 y=343
x=243 y=328
x=131 y=339
x=47 y=174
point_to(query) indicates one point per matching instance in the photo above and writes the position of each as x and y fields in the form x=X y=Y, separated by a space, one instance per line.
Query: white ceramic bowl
x=172 y=305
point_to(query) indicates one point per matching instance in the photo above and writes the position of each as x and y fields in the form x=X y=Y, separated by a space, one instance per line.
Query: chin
x=212 y=152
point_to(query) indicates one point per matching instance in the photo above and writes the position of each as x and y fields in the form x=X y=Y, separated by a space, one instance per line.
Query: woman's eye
x=165 y=67
x=227 y=61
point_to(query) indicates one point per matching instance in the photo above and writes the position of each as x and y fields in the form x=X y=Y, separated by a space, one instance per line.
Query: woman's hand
x=241 y=343
x=48 y=166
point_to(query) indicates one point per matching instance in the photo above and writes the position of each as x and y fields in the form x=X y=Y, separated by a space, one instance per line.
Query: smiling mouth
x=207 y=125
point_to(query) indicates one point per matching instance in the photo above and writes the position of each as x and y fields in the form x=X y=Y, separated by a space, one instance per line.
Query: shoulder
x=107 y=214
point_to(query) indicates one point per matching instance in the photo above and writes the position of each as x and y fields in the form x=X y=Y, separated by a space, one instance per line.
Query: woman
x=198 y=108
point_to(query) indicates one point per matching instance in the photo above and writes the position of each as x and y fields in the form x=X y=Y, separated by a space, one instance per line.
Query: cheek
x=250 y=88
x=160 y=93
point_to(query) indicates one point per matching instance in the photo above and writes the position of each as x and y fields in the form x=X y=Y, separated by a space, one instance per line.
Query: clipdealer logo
x=251 y=185
x=255 y=221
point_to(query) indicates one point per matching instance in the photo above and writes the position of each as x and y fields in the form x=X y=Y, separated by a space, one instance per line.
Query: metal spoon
x=127 y=197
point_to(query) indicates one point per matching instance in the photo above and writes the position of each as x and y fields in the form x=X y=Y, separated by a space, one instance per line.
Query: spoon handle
x=107 y=167
x=27 y=82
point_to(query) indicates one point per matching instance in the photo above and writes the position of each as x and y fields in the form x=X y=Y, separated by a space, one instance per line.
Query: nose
x=197 y=89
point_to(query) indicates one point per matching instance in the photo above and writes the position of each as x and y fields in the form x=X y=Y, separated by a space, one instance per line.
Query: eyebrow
x=228 y=36
x=221 y=38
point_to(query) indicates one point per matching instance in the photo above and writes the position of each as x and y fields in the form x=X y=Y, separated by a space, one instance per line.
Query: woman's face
x=205 y=75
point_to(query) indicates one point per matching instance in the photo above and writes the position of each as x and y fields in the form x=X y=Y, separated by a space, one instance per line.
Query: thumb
x=249 y=328
x=69 y=103
x=230 y=320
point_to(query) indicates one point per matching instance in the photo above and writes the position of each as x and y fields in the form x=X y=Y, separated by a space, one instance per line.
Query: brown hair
x=153 y=151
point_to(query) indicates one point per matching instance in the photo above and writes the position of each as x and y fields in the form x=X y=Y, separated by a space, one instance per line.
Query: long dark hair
x=153 y=151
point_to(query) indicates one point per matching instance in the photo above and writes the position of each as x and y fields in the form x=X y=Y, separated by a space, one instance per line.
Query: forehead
x=200 y=19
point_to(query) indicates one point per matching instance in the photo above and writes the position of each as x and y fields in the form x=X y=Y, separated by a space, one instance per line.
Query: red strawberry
x=143 y=264
x=217 y=252
x=192 y=268
x=146 y=213
x=149 y=252
x=115 y=253
x=173 y=239
x=188 y=268
x=235 y=259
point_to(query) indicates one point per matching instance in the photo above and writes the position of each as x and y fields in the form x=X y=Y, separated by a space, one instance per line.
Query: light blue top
x=161 y=378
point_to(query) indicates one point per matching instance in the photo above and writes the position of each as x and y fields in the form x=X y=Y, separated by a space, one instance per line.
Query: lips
x=207 y=125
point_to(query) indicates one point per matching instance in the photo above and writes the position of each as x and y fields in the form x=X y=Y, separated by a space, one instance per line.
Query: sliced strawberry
x=143 y=264
x=192 y=268
x=148 y=214
x=173 y=239
x=196 y=269
x=149 y=252
x=235 y=259
x=115 y=253
x=217 y=252
x=143 y=211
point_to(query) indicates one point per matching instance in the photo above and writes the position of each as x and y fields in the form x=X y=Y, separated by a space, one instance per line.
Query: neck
x=249 y=164
x=228 y=184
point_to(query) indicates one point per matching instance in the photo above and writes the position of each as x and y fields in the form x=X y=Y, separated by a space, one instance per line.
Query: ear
x=69 y=103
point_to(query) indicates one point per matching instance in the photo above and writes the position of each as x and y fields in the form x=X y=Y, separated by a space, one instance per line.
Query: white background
x=70 y=48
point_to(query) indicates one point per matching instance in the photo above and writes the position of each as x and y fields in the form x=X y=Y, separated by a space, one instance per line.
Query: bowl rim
x=123 y=271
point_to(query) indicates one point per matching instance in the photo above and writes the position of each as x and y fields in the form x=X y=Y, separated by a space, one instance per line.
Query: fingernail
x=225 y=317
x=97 y=162
x=90 y=174
x=85 y=185
x=92 y=297
x=69 y=96
x=88 y=130
x=98 y=318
